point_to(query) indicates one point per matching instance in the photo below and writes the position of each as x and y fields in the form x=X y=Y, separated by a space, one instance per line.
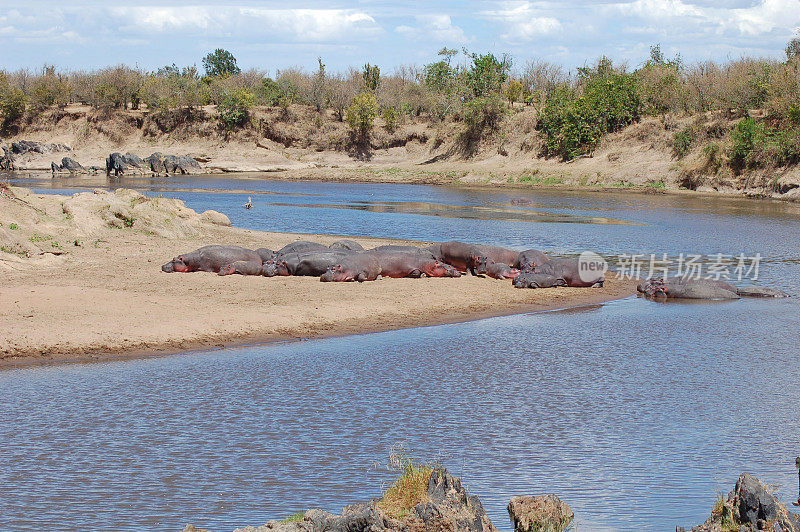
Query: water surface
x=635 y=413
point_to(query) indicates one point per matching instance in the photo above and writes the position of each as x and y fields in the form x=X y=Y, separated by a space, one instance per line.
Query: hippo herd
x=347 y=260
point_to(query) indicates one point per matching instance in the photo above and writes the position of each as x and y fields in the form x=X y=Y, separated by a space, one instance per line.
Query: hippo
x=211 y=259
x=501 y=270
x=464 y=257
x=538 y=280
x=691 y=288
x=347 y=245
x=414 y=262
x=499 y=254
x=301 y=245
x=354 y=267
x=529 y=259
x=568 y=270
x=265 y=254
x=308 y=263
x=242 y=267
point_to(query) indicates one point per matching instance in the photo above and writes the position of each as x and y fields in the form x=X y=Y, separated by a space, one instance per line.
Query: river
x=636 y=413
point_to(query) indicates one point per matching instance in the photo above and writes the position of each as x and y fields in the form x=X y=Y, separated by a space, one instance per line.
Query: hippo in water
x=464 y=257
x=538 y=280
x=354 y=267
x=409 y=261
x=499 y=254
x=309 y=263
x=501 y=270
x=529 y=259
x=212 y=259
x=569 y=271
x=691 y=288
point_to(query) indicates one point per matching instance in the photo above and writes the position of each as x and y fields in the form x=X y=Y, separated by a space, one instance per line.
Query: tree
x=793 y=48
x=487 y=74
x=361 y=115
x=372 y=77
x=220 y=63
x=319 y=88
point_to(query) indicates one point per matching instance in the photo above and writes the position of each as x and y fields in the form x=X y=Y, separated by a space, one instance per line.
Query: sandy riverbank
x=82 y=280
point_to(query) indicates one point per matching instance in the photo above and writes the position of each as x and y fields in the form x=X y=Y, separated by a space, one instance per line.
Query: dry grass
x=407 y=491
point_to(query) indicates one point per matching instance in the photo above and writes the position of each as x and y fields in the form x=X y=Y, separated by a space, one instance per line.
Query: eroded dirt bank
x=82 y=280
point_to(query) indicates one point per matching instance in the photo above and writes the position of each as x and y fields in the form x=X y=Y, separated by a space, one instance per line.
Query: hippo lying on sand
x=568 y=271
x=213 y=259
x=354 y=267
x=309 y=263
x=409 y=261
x=537 y=280
x=529 y=259
x=499 y=254
x=689 y=288
x=464 y=257
x=500 y=270
x=347 y=245
x=300 y=246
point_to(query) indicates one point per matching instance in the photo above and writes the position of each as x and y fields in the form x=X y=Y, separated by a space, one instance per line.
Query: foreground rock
x=544 y=513
x=444 y=506
x=749 y=507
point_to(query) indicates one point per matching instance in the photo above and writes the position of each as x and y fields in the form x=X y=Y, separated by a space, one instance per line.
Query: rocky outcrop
x=22 y=147
x=749 y=507
x=544 y=513
x=68 y=166
x=447 y=507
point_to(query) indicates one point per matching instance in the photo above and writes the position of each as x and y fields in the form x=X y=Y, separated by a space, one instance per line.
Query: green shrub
x=49 y=90
x=234 y=110
x=372 y=77
x=390 y=117
x=487 y=74
x=482 y=115
x=12 y=105
x=362 y=113
x=220 y=63
x=682 y=141
x=746 y=136
x=573 y=121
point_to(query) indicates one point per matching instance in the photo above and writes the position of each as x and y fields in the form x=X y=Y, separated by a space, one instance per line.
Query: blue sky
x=272 y=35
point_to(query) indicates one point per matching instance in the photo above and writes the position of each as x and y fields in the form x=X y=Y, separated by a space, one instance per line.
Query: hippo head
x=273 y=268
x=477 y=264
x=335 y=274
x=439 y=269
x=653 y=288
x=175 y=265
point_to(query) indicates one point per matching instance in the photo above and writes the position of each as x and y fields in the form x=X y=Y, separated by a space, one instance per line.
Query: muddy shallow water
x=636 y=413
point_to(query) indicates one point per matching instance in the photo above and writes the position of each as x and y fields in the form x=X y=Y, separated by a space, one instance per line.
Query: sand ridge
x=107 y=296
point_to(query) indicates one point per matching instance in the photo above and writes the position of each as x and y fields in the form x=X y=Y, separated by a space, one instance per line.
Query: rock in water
x=544 y=513
x=71 y=165
x=6 y=160
x=115 y=163
x=447 y=508
x=750 y=507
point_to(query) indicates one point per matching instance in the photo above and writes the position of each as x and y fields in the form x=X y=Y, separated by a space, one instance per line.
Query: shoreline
x=84 y=283
x=199 y=346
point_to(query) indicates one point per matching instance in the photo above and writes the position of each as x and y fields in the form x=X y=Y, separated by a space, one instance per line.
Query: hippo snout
x=326 y=277
x=168 y=267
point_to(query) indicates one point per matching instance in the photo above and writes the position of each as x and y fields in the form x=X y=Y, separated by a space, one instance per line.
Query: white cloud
x=524 y=22
x=767 y=16
x=435 y=27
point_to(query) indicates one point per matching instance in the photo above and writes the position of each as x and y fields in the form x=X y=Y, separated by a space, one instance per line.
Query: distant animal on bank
x=212 y=259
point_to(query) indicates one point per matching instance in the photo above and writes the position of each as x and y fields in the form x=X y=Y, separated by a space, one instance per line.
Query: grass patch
x=407 y=491
x=36 y=237
x=13 y=226
x=541 y=180
x=655 y=184
x=723 y=514
x=294 y=518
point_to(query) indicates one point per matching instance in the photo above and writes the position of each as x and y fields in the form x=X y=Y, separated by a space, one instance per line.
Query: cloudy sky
x=268 y=35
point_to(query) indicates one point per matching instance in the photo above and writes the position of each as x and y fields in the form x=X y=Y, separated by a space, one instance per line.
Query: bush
x=682 y=141
x=389 y=115
x=573 y=121
x=220 y=63
x=746 y=136
x=49 y=90
x=757 y=145
x=12 y=103
x=362 y=113
x=482 y=115
x=234 y=110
